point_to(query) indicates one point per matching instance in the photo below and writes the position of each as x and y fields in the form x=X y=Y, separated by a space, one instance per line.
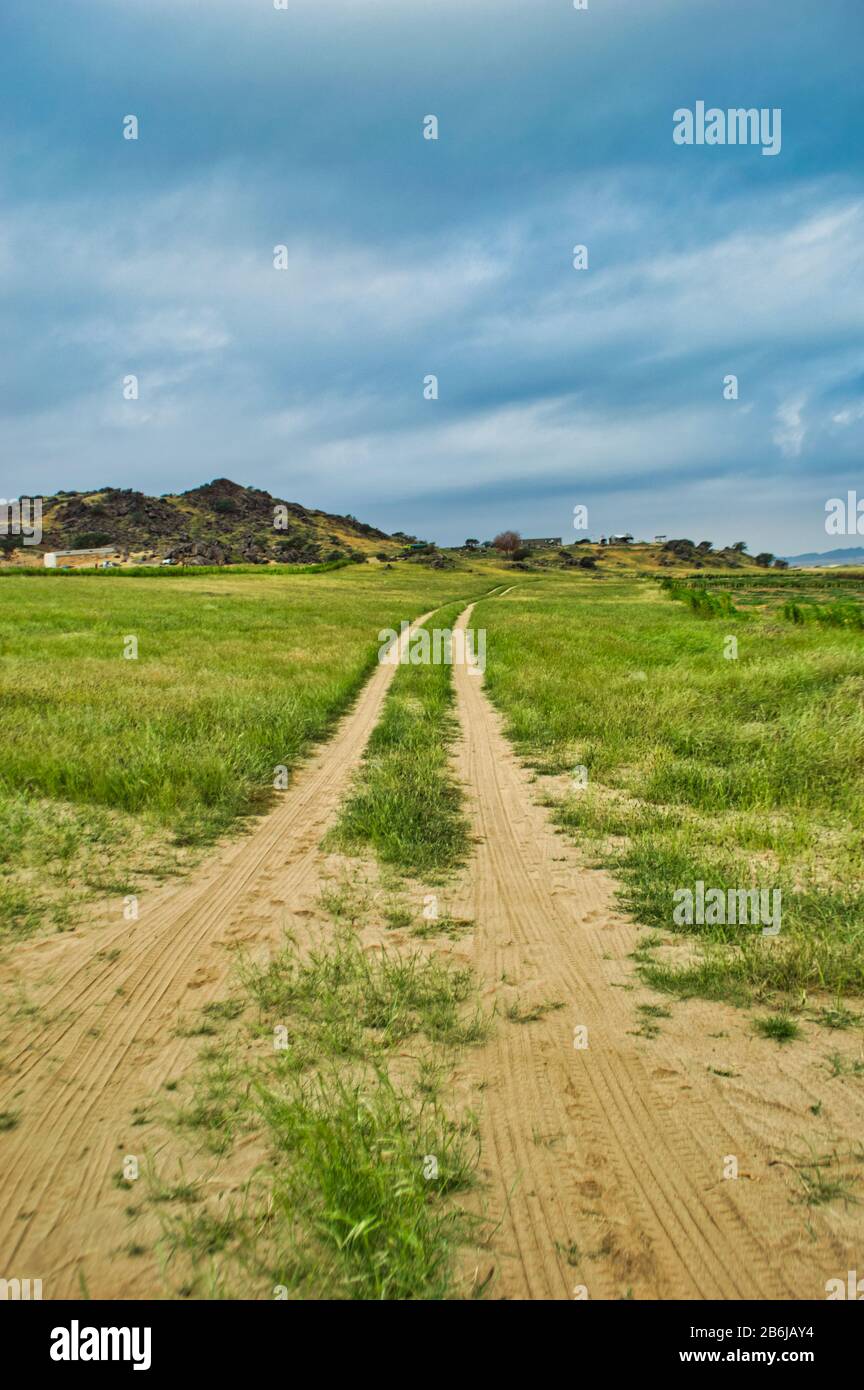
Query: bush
x=697 y=598
x=841 y=613
x=90 y=540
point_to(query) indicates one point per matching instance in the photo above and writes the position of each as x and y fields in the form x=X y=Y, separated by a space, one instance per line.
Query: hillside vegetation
x=646 y=557
x=219 y=523
x=222 y=523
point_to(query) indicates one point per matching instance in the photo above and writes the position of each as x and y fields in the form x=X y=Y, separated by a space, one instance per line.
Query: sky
x=408 y=257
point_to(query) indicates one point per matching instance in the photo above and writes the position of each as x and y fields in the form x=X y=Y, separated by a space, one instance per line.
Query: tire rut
x=75 y=1079
x=599 y=1178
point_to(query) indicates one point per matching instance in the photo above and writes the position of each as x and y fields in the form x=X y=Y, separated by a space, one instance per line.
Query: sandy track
x=104 y=1038
x=605 y=1163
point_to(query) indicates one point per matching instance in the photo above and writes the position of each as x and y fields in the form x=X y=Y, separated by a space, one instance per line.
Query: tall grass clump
x=699 y=599
x=357 y=1191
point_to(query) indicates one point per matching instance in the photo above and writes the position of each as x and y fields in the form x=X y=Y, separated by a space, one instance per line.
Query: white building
x=56 y=559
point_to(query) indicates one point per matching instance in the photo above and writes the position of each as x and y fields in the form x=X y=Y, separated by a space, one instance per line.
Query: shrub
x=697 y=598
x=90 y=540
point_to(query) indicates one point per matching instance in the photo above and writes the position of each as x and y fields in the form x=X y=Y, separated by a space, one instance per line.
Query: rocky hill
x=219 y=523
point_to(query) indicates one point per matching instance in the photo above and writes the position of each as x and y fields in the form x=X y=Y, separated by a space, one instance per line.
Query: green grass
x=699 y=599
x=107 y=759
x=405 y=804
x=737 y=772
x=779 y=1027
x=833 y=599
x=356 y=1159
x=357 y=1203
x=845 y=1066
x=332 y=1062
x=343 y=1002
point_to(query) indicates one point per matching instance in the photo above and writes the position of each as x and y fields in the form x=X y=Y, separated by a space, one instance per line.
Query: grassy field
x=738 y=768
x=118 y=768
x=718 y=733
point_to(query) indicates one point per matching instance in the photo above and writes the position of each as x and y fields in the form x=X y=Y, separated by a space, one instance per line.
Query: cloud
x=790 y=432
x=408 y=257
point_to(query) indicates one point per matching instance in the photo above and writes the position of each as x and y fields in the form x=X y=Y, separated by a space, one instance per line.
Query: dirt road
x=604 y=1162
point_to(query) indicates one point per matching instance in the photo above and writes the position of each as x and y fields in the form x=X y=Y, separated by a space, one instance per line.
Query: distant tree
x=764 y=558
x=472 y=543
x=522 y=553
x=780 y=564
x=508 y=541
x=8 y=544
x=739 y=547
x=705 y=546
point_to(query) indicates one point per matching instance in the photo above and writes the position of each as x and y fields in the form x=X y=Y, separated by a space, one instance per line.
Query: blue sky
x=408 y=257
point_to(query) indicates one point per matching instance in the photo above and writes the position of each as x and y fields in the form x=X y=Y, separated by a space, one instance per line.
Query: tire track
x=599 y=1177
x=75 y=1079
